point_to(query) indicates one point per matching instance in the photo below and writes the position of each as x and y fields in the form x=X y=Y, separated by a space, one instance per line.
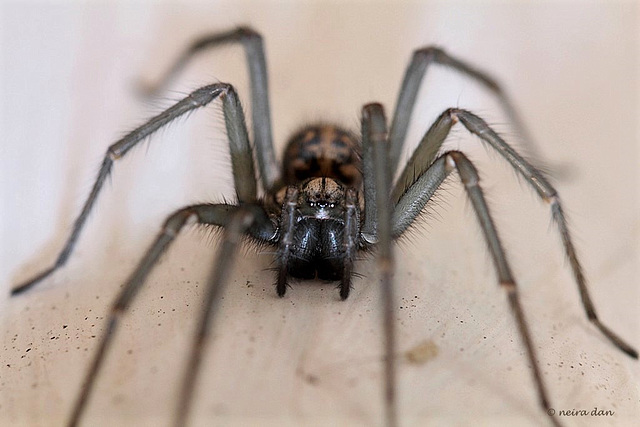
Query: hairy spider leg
x=245 y=183
x=260 y=111
x=419 y=180
x=421 y=60
x=428 y=148
x=242 y=163
x=221 y=215
x=240 y=222
x=422 y=176
x=423 y=188
x=376 y=170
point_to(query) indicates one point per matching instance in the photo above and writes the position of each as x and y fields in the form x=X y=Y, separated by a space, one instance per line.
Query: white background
x=67 y=77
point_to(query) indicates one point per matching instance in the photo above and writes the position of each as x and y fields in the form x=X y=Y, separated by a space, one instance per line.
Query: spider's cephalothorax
x=322 y=175
x=333 y=195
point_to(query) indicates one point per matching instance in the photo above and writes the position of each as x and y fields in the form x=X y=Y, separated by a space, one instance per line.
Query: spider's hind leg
x=414 y=75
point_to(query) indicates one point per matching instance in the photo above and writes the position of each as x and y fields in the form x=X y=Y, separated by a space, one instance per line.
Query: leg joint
x=454 y=114
x=508 y=285
x=468 y=172
x=371 y=110
x=429 y=53
x=112 y=153
x=179 y=219
x=206 y=94
x=248 y=33
x=553 y=200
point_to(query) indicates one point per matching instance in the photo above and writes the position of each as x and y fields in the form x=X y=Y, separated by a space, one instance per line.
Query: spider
x=332 y=197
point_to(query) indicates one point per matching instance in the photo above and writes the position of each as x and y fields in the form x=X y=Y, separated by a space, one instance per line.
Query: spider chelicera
x=332 y=197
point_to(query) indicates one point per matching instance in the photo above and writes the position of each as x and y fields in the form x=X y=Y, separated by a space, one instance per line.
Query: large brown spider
x=332 y=197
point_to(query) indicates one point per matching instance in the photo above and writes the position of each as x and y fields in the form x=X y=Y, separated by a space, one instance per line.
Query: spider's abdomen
x=317 y=251
x=322 y=151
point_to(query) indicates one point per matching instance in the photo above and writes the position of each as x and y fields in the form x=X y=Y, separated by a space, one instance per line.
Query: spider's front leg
x=423 y=176
x=413 y=199
x=428 y=149
x=241 y=158
x=377 y=228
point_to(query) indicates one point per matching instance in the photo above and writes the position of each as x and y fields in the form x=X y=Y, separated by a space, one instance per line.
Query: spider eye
x=312 y=204
x=332 y=205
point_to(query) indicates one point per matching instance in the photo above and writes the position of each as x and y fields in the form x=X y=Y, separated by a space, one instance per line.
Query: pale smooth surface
x=310 y=359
